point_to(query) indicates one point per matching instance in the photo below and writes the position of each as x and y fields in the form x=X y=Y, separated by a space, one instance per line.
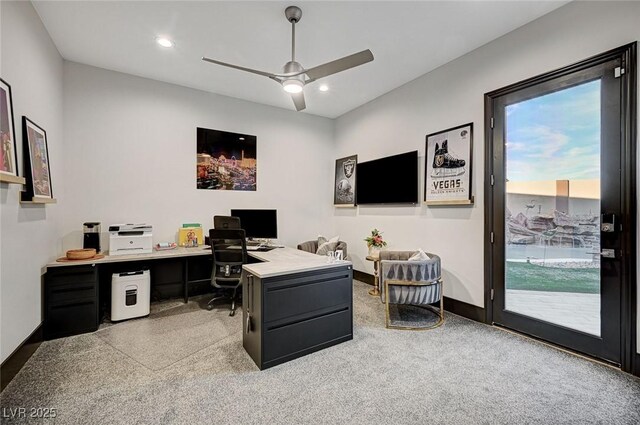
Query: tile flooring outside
x=575 y=311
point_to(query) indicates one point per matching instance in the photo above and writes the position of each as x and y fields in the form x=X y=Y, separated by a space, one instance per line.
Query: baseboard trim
x=464 y=309
x=460 y=308
x=12 y=365
x=363 y=277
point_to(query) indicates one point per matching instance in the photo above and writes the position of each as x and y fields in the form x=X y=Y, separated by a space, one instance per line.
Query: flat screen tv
x=389 y=180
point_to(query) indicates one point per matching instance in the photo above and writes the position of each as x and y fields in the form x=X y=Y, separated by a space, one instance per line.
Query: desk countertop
x=154 y=255
x=278 y=261
x=282 y=261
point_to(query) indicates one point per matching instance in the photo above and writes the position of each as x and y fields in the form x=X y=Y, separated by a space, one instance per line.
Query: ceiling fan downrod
x=293 y=15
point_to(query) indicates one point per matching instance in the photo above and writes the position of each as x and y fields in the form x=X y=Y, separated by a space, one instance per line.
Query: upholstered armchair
x=312 y=247
x=416 y=283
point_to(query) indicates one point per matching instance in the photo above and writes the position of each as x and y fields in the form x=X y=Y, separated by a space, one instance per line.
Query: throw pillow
x=419 y=255
x=325 y=245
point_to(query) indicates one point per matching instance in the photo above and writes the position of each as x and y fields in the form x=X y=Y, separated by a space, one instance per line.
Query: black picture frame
x=32 y=192
x=12 y=132
x=448 y=181
x=344 y=185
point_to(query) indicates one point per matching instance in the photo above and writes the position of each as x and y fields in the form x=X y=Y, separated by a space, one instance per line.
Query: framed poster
x=8 y=152
x=344 y=186
x=37 y=160
x=448 y=166
x=226 y=161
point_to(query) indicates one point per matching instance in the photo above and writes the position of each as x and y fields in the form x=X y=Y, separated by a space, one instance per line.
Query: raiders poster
x=344 y=188
x=448 y=166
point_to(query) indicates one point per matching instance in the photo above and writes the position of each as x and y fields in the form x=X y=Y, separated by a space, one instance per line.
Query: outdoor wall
x=453 y=95
x=31 y=64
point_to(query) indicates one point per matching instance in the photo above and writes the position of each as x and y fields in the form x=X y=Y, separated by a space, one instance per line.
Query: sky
x=555 y=136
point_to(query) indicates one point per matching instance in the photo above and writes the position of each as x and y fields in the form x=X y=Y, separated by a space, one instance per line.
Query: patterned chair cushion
x=394 y=265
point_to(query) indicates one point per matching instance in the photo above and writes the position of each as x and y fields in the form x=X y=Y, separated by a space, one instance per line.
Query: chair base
x=221 y=297
x=437 y=311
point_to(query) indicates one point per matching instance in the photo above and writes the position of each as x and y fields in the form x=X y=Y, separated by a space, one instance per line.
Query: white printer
x=130 y=239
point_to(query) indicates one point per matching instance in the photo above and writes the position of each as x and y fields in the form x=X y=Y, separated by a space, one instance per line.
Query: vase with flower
x=375 y=243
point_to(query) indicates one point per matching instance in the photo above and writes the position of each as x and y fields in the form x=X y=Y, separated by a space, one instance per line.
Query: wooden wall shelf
x=6 y=178
x=35 y=200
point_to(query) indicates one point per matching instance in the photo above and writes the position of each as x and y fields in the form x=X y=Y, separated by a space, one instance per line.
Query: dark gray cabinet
x=71 y=301
x=77 y=297
x=289 y=316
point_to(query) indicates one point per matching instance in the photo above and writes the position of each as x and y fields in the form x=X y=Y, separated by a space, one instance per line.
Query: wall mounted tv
x=389 y=180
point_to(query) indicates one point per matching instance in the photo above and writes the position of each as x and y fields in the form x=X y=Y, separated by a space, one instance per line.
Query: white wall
x=31 y=64
x=452 y=95
x=131 y=145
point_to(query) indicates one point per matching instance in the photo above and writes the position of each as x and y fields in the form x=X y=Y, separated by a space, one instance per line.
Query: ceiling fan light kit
x=294 y=76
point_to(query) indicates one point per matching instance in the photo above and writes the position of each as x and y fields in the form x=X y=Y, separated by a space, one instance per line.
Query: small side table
x=376 y=279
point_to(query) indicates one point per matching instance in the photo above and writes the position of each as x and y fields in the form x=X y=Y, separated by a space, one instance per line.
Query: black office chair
x=224 y=222
x=229 y=251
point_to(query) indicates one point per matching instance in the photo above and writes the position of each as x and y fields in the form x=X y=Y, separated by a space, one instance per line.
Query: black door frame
x=630 y=361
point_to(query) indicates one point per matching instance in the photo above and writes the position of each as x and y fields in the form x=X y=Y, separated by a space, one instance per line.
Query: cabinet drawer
x=291 y=339
x=57 y=294
x=73 y=274
x=71 y=319
x=288 y=299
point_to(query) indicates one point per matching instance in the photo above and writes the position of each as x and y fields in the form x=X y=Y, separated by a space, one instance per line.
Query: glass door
x=556 y=210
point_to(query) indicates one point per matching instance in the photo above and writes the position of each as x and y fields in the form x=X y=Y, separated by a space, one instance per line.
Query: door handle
x=607 y=223
x=608 y=253
x=249 y=324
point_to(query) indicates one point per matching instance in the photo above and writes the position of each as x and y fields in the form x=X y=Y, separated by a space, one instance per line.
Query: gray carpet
x=462 y=372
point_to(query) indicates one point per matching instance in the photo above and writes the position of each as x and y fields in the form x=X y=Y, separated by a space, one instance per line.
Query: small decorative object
x=225 y=161
x=8 y=154
x=165 y=246
x=339 y=255
x=190 y=235
x=375 y=243
x=36 y=158
x=331 y=257
x=80 y=255
x=344 y=188
x=448 y=166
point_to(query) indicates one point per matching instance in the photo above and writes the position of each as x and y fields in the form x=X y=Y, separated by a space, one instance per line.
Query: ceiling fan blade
x=298 y=100
x=241 y=68
x=340 y=65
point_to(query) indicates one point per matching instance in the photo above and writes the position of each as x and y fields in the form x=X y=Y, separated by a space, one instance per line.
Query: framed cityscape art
x=226 y=161
x=448 y=166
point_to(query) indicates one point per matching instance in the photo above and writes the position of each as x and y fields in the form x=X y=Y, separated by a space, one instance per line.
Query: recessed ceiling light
x=323 y=87
x=164 y=42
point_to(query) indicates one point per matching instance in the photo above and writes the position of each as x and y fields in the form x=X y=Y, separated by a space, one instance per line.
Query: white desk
x=283 y=261
x=155 y=255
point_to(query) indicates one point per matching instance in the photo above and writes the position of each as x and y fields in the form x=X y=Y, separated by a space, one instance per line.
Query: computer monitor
x=262 y=224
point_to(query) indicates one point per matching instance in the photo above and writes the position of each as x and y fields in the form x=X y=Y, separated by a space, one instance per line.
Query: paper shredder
x=130 y=295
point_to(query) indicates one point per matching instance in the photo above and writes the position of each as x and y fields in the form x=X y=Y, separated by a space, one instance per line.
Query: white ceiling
x=408 y=39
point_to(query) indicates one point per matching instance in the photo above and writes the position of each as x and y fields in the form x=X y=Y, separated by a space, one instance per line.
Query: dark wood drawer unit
x=289 y=316
x=70 y=301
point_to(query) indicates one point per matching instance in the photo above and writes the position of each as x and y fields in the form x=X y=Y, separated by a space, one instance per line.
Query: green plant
x=375 y=239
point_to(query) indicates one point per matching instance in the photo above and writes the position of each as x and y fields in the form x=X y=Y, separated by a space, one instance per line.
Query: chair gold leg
x=440 y=313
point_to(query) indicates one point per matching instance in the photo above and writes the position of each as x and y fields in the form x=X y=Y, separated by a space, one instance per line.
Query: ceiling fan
x=294 y=76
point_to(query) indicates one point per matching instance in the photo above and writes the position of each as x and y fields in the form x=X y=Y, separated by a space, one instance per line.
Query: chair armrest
x=343 y=246
x=309 y=246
